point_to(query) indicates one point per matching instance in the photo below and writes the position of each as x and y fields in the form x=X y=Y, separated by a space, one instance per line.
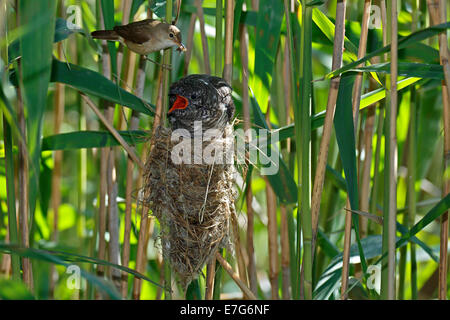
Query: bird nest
x=193 y=203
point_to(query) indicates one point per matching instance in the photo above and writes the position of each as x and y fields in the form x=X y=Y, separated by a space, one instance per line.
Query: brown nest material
x=193 y=203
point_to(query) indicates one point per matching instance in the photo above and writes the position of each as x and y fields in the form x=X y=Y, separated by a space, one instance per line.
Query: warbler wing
x=137 y=32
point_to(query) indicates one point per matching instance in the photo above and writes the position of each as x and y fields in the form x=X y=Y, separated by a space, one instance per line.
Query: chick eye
x=171 y=35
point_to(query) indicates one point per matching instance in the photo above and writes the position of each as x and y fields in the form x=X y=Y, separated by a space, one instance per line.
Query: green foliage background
x=33 y=43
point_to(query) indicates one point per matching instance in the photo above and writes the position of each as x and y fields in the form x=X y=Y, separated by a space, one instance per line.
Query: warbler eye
x=171 y=35
x=193 y=96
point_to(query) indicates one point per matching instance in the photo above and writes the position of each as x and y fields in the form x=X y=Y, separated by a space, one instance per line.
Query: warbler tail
x=105 y=35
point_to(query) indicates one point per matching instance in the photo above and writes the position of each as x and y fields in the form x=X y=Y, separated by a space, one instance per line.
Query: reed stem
x=285 y=256
x=189 y=44
x=237 y=246
x=104 y=154
x=303 y=136
x=167 y=57
x=365 y=176
x=165 y=97
x=272 y=232
x=390 y=194
x=412 y=163
x=412 y=198
x=338 y=48
x=217 y=277
x=293 y=232
x=23 y=189
x=58 y=158
x=201 y=19
x=251 y=268
x=218 y=41
x=210 y=273
x=235 y=277
x=133 y=125
x=140 y=253
x=229 y=21
x=11 y=197
x=438 y=13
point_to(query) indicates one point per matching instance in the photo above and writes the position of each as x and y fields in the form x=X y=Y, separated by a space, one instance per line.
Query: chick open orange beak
x=180 y=103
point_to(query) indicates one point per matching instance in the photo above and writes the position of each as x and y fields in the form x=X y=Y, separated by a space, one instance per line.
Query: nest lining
x=193 y=203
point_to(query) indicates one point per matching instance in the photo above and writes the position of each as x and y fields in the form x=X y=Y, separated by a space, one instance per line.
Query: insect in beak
x=180 y=103
x=181 y=48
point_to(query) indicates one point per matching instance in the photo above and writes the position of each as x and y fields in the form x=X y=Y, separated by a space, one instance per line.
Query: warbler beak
x=181 y=47
x=179 y=104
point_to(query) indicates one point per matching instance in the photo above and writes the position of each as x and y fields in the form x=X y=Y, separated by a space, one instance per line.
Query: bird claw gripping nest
x=193 y=203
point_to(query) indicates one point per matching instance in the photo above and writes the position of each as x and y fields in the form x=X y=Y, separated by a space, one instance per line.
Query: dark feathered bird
x=200 y=97
x=193 y=201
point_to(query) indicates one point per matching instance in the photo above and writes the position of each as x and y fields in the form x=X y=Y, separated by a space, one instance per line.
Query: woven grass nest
x=193 y=203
